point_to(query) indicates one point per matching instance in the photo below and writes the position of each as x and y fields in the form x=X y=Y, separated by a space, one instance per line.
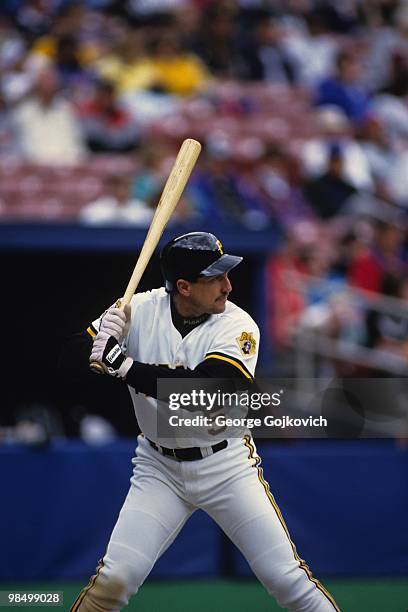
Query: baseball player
x=189 y=328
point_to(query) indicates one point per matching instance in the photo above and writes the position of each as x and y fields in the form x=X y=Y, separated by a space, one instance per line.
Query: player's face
x=209 y=295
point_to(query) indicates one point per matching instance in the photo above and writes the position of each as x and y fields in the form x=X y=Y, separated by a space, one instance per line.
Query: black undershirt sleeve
x=143 y=377
x=74 y=366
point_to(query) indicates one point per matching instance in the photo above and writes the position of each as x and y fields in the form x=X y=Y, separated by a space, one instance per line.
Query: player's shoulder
x=154 y=297
x=235 y=337
x=235 y=315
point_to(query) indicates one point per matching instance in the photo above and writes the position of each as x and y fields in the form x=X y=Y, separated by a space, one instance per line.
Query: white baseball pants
x=229 y=486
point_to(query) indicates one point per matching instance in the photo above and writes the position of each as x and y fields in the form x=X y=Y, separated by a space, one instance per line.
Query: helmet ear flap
x=164 y=257
x=168 y=286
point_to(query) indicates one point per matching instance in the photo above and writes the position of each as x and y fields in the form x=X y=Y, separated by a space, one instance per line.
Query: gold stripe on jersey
x=232 y=361
x=89 y=586
x=302 y=564
x=91 y=331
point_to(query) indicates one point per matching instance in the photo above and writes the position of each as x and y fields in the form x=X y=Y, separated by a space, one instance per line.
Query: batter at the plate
x=191 y=329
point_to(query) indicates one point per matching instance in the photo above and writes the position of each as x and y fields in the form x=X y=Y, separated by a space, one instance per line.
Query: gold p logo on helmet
x=219 y=245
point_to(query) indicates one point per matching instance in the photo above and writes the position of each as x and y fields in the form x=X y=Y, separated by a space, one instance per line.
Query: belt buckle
x=173 y=450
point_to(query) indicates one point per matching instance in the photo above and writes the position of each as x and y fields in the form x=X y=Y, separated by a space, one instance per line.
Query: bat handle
x=96 y=367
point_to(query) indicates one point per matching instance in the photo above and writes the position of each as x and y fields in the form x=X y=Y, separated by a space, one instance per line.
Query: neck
x=184 y=321
x=185 y=308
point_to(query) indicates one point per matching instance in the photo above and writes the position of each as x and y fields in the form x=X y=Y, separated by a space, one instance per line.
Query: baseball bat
x=171 y=194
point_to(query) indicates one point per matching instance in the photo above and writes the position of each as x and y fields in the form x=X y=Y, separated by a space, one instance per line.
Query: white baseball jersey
x=232 y=337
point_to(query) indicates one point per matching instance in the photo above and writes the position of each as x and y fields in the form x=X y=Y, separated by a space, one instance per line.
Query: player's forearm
x=143 y=377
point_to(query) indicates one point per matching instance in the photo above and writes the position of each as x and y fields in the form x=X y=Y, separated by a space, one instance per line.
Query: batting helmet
x=194 y=255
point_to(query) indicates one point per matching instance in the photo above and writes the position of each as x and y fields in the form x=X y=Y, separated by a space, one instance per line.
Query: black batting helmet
x=194 y=255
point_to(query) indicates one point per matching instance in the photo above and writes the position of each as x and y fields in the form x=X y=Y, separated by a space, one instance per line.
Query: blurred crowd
x=91 y=77
x=301 y=105
x=81 y=78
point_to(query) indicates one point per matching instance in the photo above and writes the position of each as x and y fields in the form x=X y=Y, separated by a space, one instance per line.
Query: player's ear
x=183 y=287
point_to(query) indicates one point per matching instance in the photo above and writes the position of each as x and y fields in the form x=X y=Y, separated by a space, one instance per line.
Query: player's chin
x=219 y=305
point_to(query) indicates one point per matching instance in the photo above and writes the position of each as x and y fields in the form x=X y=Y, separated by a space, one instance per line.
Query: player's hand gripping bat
x=174 y=187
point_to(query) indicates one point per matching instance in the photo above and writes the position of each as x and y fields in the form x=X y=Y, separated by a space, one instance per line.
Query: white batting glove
x=115 y=322
x=107 y=352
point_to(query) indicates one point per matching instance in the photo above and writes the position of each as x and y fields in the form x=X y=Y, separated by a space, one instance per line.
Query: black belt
x=189 y=454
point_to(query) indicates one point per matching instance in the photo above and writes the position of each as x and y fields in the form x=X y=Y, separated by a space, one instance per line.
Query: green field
x=382 y=595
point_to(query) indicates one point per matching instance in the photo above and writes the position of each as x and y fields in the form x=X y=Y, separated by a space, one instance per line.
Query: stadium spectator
x=351 y=236
x=397 y=180
x=329 y=192
x=179 y=72
x=218 y=192
x=383 y=37
x=309 y=295
x=116 y=206
x=344 y=88
x=106 y=124
x=286 y=301
x=148 y=181
x=397 y=83
x=16 y=76
x=311 y=47
x=33 y=17
x=9 y=142
x=340 y=18
x=393 y=113
x=278 y=176
x=383 y=256
x=126 y=64
x=390 y=102
x=47 y=125
x=187 y=22
x=216 y=41
x=333 y=128
x=68 y=63
x=265 y=57
x=65 y=21
x=379 y=152
x=389 y=332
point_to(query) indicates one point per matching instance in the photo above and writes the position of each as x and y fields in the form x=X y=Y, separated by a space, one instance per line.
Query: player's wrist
x=107 y=352
x=124 y=368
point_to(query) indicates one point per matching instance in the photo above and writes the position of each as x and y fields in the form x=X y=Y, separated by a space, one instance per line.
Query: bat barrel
x=174 y=187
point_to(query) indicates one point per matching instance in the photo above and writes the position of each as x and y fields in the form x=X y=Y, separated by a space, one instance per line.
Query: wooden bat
x=174 y=187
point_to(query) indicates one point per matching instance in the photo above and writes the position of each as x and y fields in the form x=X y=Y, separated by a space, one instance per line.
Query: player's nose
x=226 y=285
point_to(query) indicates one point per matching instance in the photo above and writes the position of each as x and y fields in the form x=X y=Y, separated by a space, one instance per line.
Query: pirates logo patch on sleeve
x=247 y=344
